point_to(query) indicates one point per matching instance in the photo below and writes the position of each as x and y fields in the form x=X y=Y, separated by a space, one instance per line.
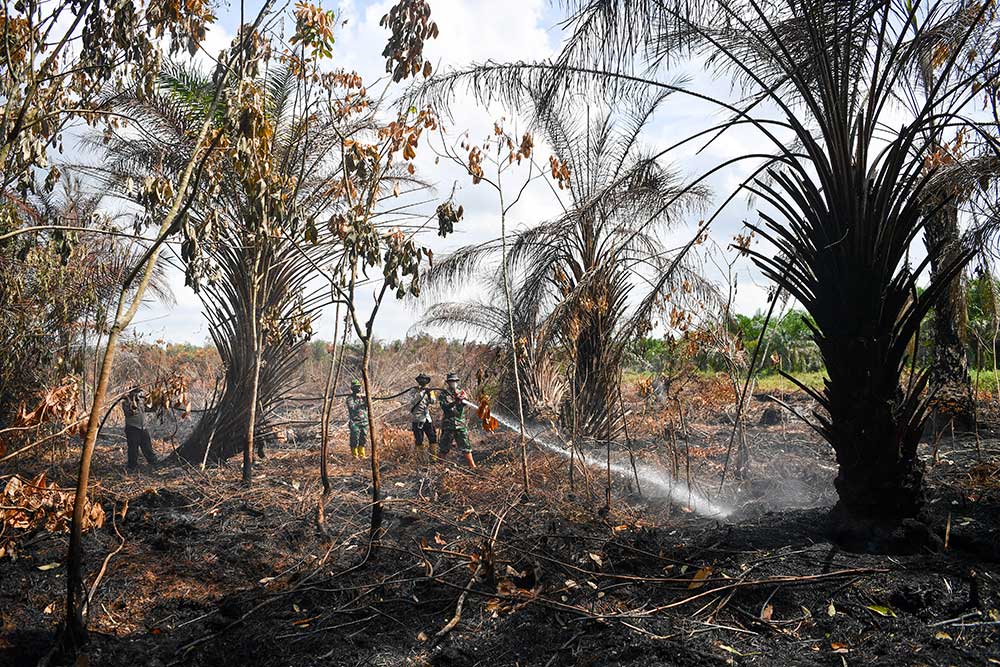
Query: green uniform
x=453 y=424
x=357 y=420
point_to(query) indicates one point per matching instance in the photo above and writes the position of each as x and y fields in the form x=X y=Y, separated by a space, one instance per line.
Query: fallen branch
x=449 y=626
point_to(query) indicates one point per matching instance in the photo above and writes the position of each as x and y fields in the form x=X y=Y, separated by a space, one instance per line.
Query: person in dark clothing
x=134 y=407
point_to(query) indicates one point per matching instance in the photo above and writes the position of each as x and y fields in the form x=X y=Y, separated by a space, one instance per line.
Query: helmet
x=452 y=377
x=355 y=384
x=423 y=378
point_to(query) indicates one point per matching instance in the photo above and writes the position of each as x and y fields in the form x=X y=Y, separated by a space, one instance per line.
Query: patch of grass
x=984 y=381
x=776 y=383
x=770 y=383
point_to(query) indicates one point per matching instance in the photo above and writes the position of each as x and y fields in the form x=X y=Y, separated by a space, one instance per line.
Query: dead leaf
x=839 y=648
x=766 y=612
x=941 y=635
x=49 y=566
x=438 y=539
x=699 y=577
x=421 y=636
x=831 y=611
x=881 y=610
x=596 y=559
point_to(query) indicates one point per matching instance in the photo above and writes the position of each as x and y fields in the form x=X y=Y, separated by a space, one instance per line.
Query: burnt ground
x=210 y=573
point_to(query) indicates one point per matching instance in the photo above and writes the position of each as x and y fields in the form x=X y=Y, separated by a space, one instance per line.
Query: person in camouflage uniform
x=357 y=420
x=420 y=400
x=453 y=425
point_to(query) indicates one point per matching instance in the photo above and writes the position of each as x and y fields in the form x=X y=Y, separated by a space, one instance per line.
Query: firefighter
x=357 y=420
x=134 y=407
x=420 y=412
x=453 y=424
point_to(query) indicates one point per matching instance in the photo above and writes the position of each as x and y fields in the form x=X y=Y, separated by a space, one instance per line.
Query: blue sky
x=475 y=31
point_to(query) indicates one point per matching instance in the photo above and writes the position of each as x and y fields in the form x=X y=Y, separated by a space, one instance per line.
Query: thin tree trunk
x=572 y=451
x=324 y=473
x=376 y=476
x=628 y=440
x=255 y=378
x=75 y=626
x=513 y=350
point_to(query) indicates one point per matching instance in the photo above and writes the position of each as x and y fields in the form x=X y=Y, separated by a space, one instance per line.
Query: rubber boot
x=354 y=453
x=361 y=453
x=469 y=461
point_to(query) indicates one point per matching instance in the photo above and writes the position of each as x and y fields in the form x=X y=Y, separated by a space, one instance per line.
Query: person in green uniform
x=453 y=425
x=357 y=420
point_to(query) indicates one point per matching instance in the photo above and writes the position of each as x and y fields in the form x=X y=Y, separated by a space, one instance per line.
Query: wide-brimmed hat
x=355 y=383
x=423 y=377
x=452 y=377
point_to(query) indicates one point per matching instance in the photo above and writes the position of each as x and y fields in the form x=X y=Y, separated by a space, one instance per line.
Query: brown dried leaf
x=699 y=577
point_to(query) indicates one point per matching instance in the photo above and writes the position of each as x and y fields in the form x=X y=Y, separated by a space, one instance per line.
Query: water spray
x=659 y=483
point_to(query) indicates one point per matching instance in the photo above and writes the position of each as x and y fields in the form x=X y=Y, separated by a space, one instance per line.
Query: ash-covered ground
x=467 y=572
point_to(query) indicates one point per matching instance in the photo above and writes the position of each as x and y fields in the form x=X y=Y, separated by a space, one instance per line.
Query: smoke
x=655 y=482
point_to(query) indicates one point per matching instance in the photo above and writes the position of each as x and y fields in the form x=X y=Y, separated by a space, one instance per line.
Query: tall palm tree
x=587 y=283
x=253 y=278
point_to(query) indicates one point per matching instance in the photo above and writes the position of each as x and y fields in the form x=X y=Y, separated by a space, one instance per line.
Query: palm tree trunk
x=949 y=381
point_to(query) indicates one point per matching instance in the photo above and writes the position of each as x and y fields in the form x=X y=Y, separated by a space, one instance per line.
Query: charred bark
x=950 y=383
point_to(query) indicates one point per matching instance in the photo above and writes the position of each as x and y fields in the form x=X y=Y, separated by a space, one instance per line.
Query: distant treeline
x=788 y=343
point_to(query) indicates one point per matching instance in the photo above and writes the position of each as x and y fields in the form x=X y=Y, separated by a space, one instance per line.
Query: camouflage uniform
x=420 y=416
x=357 y=422
x=453 y=424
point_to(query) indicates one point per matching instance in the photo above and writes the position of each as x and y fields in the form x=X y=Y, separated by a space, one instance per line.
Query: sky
x=474 y=31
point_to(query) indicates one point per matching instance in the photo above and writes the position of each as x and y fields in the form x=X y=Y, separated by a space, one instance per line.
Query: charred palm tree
x=251 y=275
x=587 y=282
x=843 y=196
x=966 y=166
